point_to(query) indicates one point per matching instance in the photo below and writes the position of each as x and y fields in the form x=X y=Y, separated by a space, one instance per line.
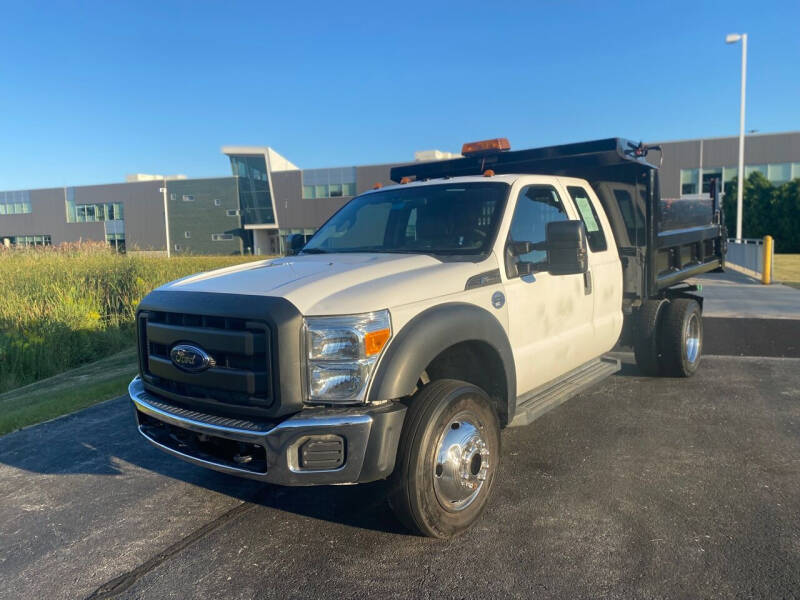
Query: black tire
x=646 y=342
x=416 y=492
x=683 y=322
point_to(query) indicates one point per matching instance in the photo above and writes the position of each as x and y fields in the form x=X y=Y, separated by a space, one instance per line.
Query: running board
x=555 y=393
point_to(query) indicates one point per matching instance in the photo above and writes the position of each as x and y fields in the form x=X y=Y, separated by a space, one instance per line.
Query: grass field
x=787 y=269
x=64 y=307
x=67 y=392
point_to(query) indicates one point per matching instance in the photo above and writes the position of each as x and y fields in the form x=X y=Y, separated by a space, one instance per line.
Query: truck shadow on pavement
x=103 y=441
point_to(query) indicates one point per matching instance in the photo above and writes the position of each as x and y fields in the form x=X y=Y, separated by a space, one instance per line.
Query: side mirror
x=566 y=248
x=296 y=241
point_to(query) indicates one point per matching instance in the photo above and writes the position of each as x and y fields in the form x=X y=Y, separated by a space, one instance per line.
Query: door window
x=537 y=206
x=594 y=231
x=632 y=215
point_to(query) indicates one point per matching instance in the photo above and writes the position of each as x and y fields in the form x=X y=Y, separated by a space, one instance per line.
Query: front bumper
x=273 y=451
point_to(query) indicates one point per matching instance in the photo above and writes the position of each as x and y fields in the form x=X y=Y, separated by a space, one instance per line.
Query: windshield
x=432 y=219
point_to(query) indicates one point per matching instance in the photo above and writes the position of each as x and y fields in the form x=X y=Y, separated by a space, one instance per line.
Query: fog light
x=321 y=453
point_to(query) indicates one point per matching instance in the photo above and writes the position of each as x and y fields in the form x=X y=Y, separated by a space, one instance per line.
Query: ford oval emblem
x=498 y=299
x=190 y=358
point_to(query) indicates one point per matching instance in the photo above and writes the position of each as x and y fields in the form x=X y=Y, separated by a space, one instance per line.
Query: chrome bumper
x=370 y=435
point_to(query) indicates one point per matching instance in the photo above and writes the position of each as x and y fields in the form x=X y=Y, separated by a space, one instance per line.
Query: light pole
x=732 y=38
x=163 y=190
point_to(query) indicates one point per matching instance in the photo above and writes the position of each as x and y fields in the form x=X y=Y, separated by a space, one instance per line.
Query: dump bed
x=660 y=243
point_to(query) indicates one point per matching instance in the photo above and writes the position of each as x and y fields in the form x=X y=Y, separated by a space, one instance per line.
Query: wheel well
x=477 y=363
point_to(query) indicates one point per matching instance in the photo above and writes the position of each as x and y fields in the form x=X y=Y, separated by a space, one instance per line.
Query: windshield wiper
x=313 y=251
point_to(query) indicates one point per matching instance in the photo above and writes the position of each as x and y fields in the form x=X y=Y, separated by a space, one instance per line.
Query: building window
x=217 y=202
x=15 y=203
x=283 y=235
x=708 y=175
x=116 y=241
x=221 y=237
x=92 y=213
x=178 y=247
x=689 y=179
x=29 y=240
x=187 y=235
x=173 y=197
x=252 y=181
x=779 y=173
x=187 y=198
x=329 y=183
x=232 y=212
x=750 y=169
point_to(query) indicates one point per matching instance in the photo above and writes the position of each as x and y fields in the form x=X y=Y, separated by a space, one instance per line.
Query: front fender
x=430 y=333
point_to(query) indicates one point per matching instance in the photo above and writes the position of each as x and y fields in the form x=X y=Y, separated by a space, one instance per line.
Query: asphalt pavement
x=643 y=488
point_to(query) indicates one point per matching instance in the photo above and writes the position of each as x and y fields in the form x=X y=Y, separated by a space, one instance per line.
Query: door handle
x=587 y=283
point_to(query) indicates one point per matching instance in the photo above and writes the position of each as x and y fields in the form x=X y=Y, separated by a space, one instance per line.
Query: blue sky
x=92 y=91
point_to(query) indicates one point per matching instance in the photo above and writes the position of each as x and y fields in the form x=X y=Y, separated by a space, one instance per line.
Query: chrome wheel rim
x=461 y=464
x=692 y=338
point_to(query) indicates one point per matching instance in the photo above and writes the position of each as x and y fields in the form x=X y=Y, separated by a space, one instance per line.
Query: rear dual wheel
x=682 y=338
x=669 y=337
x=447 y=459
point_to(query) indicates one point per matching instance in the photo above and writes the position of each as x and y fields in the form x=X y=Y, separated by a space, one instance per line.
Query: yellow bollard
x=766 y=272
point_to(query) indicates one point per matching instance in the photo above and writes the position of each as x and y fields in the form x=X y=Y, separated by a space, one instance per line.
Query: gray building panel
x=143 y=210
x=48 y=217
x=211 y=215
x=367 y=176
x=759 y=149
x=676 y=156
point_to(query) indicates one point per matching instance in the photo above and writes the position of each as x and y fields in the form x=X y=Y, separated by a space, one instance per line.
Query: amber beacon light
x=485 y=147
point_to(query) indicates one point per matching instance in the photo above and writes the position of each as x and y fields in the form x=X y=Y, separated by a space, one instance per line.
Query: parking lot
x=641 y=488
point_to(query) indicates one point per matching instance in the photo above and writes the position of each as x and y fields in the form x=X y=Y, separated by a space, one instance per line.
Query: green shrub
x=66 y=306
x=767 y=209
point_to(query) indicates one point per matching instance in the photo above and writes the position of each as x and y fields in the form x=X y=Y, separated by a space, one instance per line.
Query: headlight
x=341 y=353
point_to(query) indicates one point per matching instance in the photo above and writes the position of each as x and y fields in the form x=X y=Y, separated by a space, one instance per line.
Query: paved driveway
x=642 y=488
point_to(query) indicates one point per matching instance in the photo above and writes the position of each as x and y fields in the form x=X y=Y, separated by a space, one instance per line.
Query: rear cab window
x=590 y=218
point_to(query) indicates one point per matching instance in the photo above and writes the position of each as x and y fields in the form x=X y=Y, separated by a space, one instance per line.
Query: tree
x=767 y=210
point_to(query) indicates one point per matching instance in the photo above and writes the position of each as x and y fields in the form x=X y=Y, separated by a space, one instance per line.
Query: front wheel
x=447 y=459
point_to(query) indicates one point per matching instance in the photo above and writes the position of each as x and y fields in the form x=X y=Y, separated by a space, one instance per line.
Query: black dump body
x=661 y=243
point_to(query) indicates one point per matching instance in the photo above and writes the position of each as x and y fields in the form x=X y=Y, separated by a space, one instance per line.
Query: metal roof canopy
x=608 y=159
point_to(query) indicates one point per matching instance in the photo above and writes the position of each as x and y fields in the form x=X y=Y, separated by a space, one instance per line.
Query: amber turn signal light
x=374 y=341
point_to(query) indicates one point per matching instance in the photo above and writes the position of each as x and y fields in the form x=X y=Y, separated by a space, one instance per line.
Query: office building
x=267 y=197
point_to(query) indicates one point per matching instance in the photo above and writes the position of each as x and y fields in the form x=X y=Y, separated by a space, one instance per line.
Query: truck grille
x=241 y=348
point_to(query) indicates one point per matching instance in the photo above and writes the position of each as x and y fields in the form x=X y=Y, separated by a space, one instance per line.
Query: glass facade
x=255 y=199
x=15 y=203
x=329 y=183
x=30 y=240
x=92 y=213
x=776 y=173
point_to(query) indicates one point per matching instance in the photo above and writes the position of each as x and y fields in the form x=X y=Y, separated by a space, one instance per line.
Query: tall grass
x=66 y=306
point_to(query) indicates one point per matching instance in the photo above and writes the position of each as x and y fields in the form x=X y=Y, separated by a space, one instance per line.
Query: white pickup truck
x=423 y=318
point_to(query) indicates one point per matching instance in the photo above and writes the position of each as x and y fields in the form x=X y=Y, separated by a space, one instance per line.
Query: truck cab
x=419 y=321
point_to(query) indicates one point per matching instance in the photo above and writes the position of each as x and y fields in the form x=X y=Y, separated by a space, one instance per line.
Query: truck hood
x=328 y=284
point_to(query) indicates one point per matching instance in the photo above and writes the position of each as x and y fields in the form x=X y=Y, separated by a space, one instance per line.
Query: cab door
x=550 y=317
x=605 y=269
